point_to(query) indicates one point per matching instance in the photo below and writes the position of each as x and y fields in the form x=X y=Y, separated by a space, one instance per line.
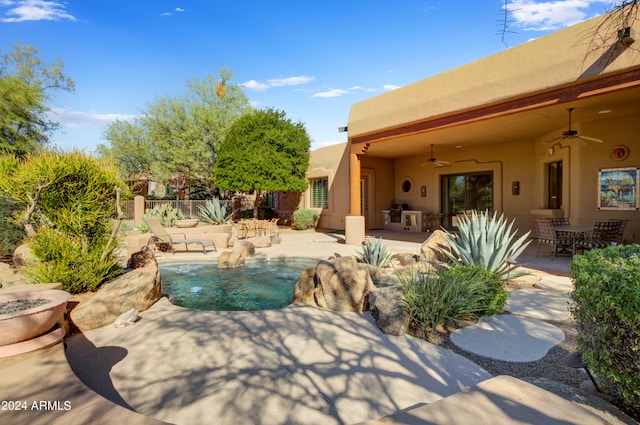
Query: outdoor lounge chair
x=161 y=236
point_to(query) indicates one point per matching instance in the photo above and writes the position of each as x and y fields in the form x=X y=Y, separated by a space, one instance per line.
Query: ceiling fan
x=434 y=161
x=572 y=134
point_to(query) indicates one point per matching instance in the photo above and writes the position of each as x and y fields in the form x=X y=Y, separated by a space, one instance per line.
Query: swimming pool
x=256 y=285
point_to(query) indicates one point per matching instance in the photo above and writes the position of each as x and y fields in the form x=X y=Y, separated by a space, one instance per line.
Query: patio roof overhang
x=520 y=94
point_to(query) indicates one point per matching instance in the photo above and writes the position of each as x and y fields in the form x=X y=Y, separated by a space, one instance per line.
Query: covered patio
x=513 y=133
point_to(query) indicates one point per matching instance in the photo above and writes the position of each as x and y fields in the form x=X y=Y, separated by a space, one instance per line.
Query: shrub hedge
x=606 y=305
x=304 y=219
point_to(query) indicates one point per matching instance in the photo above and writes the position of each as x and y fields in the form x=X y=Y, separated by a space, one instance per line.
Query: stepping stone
x=539 y=304
x=555 y=283
x=508 y=338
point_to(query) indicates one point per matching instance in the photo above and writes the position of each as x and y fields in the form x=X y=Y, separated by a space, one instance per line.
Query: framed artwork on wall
x=618 y=189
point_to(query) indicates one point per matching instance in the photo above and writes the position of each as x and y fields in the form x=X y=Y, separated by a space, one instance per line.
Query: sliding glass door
x=465 y=192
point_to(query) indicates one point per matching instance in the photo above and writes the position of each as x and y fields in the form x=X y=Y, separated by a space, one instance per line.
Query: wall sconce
x=423 y=191
x=626 y=36
x=515 y=188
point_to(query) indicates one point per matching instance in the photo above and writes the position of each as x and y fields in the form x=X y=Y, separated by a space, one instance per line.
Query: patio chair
x=161 y=236
x=548 y=235
x=620 y=234
x=604 y=234
x=561 y=221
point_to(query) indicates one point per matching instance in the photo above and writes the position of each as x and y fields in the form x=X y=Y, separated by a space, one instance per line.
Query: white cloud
x=533 y=15
x=390 y=87
x=361 y=88
x=74 y=119
x=277 y=82
x=36 y=10
x=255 y=85
x=331 y=93
x=177 y=9
x=290 y=81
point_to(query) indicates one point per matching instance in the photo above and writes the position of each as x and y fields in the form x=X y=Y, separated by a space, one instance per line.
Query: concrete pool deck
x=297 y=365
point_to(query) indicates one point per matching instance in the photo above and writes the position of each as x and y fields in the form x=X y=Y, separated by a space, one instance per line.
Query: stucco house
x=550 y=128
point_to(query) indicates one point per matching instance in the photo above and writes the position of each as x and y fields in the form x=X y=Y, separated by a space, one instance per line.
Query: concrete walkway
x=294 y=365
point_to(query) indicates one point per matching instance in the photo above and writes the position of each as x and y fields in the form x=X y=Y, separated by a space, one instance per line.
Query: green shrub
x=165 y=212
x=450 y=296
x=374 y=253
x=494 y=293
x=11 y=234
x=71 y=261
x=305 y=219
x=606 y=305
x=486 y=242
x=75 y=213
x=214 y=212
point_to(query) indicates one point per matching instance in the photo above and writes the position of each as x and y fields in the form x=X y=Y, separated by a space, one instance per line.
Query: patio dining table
x=576 y=232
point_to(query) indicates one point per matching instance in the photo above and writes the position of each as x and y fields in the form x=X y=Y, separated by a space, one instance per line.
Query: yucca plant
x=374 y=253
x=214 y=212
x=485 y=241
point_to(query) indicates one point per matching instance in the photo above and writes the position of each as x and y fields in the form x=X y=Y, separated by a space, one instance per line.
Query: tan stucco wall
x=558 y=59
x=331 y=162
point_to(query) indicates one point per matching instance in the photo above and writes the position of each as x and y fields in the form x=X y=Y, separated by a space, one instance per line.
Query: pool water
x=263 y=285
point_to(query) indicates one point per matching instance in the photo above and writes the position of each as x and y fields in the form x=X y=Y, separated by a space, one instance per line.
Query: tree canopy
x=178 y=135
x=25 y=82
x=263 y=151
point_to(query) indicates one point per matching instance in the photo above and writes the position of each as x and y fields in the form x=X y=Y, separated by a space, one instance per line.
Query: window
x=319 y=192
x=554 y=185
x=464 y=192
x=272 y=200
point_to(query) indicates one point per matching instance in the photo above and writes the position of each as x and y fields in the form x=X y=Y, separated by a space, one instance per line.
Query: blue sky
x=311 y=59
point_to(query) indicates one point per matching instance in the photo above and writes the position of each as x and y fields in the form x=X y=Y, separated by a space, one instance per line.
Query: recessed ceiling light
x=458 y=146
x=604 y=111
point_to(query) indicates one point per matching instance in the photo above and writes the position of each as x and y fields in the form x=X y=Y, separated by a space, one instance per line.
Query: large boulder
x=138 y=289
x=244 y=248
x=230 y=258
x=305 y=288
x=260 y=241
x=235 y=257
x=9 y=276
x=431 y=249
x=389 y=310
x=340 y=284
x=23 y=257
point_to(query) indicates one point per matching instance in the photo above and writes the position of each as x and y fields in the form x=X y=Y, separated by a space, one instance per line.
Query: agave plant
x=485 y=241
x=214 y=212
x=374 y=253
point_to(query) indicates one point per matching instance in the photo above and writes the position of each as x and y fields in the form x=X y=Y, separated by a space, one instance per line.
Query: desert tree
x=264 y=151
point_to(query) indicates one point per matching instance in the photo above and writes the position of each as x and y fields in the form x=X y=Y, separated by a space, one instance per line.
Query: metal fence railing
x=190 y=208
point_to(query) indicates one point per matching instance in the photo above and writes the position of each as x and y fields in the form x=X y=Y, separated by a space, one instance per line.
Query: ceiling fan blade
x=439 y=163
x=549 y=142
x=429 y=161
x=591 y=139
